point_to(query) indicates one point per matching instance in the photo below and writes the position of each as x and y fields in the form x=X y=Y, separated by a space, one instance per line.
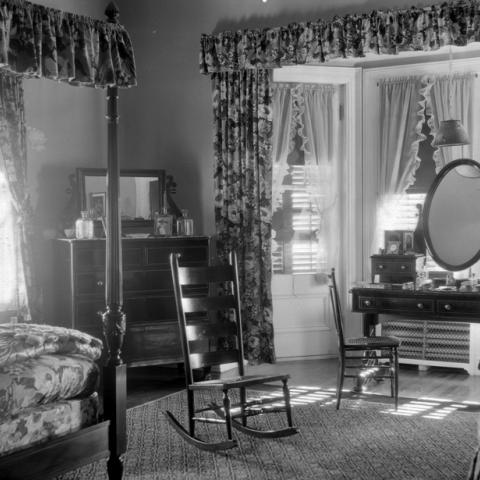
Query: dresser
x=434 y=327
x=152 y=335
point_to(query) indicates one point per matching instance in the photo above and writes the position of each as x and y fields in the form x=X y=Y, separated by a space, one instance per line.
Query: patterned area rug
x=426 y=439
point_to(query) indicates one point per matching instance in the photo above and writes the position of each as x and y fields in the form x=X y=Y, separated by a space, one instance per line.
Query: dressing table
x=433 y=324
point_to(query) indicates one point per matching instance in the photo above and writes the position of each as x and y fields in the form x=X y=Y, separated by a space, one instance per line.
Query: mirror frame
x=426 y=212
x=128 y=226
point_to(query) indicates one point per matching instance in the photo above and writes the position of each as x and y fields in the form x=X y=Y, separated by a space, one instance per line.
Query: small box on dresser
x=392 y=268
x=152 y=335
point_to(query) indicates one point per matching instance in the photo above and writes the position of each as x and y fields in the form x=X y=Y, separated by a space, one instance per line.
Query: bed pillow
x=27 y=340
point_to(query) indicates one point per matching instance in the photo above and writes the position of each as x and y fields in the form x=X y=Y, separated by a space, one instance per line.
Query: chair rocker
x=203 y=326
x=369 y=357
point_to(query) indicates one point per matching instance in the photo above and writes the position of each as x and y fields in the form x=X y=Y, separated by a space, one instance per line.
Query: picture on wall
x=98 y=204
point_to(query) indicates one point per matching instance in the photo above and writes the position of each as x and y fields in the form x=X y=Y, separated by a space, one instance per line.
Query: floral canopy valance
x=380 y=32
x=44 y=42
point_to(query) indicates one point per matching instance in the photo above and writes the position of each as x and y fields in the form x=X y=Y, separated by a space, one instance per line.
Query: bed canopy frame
x=46 y=42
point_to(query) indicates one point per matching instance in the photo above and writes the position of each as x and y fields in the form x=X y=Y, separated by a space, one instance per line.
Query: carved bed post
x=114 y=322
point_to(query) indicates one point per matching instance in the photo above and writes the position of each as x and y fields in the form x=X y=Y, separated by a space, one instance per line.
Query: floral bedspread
x=35 y=425
x=21 y=341
x=48 y=378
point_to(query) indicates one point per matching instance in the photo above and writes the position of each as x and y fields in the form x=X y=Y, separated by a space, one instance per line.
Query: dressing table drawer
x=457 y=307
x=393 y=304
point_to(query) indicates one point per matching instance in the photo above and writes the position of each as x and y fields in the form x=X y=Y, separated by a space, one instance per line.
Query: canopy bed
x=45 y=42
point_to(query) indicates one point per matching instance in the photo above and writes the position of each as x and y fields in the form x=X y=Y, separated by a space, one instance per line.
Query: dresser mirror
x=452 y=215
x=141 y=194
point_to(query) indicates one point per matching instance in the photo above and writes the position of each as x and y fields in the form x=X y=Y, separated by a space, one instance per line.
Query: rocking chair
x=200 y=339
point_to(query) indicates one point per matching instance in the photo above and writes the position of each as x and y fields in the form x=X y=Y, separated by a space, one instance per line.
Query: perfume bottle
x=163 y=223
x=185 y=224
x=84 y=226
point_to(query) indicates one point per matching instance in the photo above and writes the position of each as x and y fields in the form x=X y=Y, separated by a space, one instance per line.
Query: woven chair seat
x=379 y=342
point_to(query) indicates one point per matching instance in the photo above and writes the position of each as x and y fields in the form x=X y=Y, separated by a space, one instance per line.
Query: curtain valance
x=45 y=42
x=379 y=32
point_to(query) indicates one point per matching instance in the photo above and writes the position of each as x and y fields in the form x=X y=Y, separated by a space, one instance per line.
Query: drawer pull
x=403 y=267
x=381 y=267
x=367 y=303
x=100 y=283
x=447 y=307
x=420 y=306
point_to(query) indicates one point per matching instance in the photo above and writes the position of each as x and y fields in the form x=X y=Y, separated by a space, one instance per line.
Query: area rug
x=426 y=439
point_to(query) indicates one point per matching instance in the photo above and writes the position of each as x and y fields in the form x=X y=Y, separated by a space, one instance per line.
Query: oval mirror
x=452 y=215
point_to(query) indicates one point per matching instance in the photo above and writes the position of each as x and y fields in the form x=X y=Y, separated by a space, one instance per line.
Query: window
x=296 y=248
x=8 y=278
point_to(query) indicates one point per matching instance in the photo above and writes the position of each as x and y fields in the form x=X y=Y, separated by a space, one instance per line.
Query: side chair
x=375 y=357
x=210 y=328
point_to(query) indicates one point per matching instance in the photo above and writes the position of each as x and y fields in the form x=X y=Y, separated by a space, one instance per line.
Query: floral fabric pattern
x=243 y=170
x=380 y=32
x=43 y=423
x=45 y=42
x=48 y=378
x=21 y=341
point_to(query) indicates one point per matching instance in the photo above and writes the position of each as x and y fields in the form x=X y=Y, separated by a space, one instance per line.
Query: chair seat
x=236 y=382
x=371 y=342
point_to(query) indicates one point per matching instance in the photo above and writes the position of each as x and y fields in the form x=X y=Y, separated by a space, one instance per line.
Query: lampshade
x=450 y=133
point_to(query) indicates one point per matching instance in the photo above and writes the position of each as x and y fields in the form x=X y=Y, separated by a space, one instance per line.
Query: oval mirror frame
x=439 y=205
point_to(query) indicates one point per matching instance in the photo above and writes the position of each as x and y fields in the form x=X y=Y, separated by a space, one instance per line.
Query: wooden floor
x=150 y=383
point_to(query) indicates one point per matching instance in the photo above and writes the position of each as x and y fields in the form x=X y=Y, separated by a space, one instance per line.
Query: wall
x=69 y=131
x=167 y=119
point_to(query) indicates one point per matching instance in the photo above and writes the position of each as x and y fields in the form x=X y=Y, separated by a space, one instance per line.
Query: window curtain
x=38 y=41
x=450 y=97
x=312 y=112
x=402 y=106
x=385 y=31
x=242 y=107
x=14 y=166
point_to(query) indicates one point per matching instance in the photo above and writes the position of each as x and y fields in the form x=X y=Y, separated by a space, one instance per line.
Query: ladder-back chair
x=367 y=356
x=214 y=325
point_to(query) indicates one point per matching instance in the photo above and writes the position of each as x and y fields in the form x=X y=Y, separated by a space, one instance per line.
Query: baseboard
x=307 y=357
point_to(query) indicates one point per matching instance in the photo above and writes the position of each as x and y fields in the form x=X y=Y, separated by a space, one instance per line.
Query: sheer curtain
x=402 y=106
x=311 y=111
x=450 y=97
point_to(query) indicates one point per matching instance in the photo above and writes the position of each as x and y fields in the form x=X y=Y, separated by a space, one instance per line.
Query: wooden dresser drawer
x=157 y=256
x=395 y=304
x=457 y=307
x=147 y=344
x=380 y=267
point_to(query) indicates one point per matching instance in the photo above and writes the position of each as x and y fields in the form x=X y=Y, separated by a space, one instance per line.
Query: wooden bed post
x=114 y=321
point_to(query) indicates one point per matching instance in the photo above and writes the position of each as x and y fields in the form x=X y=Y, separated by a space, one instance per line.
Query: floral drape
x=14 y=165
x=46 y=42
x=243 y=171
x=379 y=32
